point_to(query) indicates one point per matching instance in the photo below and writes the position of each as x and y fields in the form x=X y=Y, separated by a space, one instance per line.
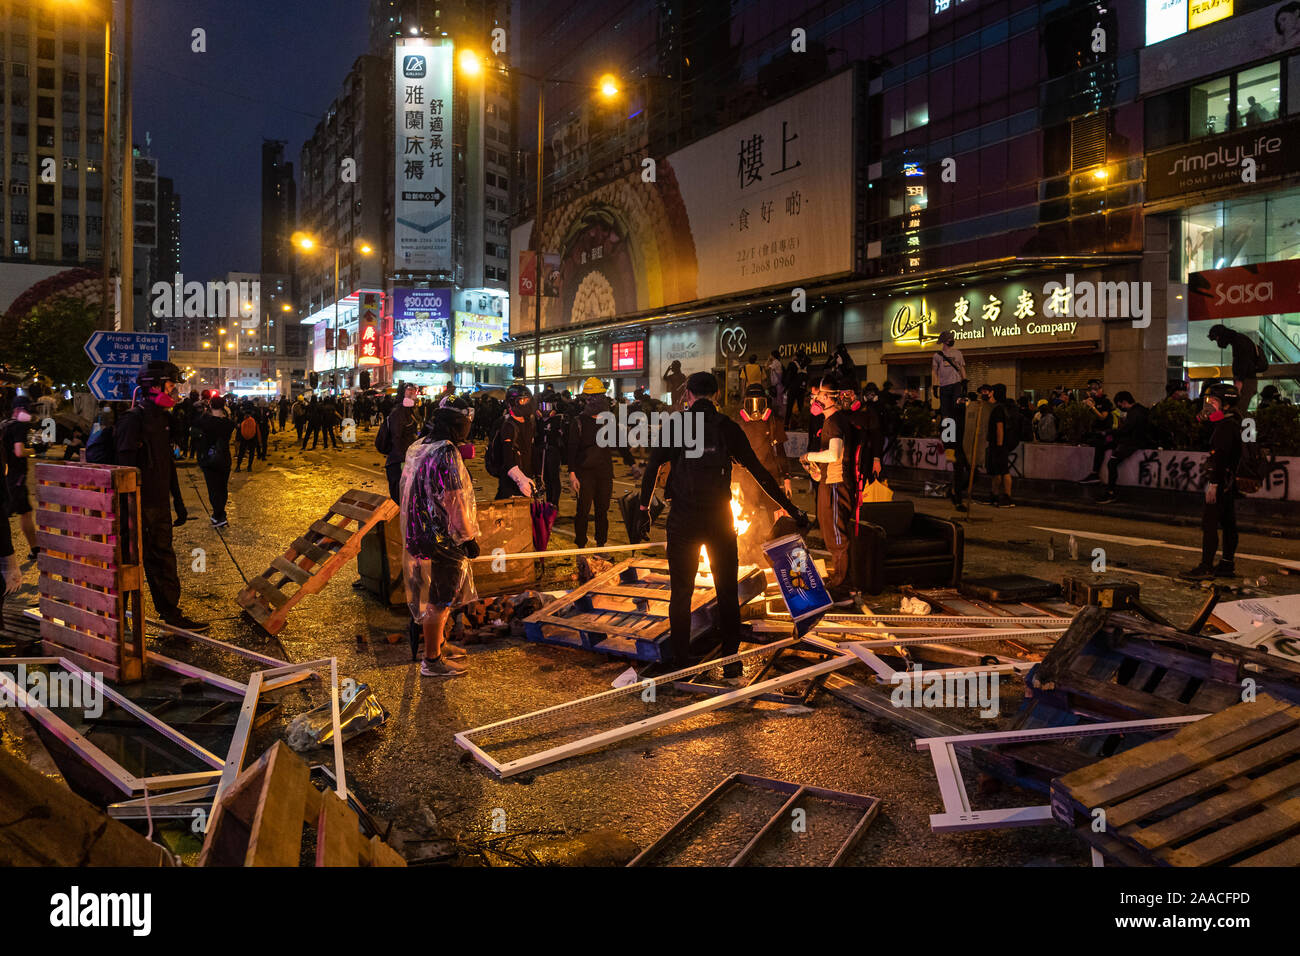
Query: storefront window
x=1259 y=94
x=1211 y=107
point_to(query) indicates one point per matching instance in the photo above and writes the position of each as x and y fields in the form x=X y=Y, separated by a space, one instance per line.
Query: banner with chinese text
x=423 y=154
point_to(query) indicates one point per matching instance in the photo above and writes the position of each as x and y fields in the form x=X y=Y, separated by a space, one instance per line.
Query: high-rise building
x=279 y=207
x=51 y=147
x=169 y=228
x=146 y=259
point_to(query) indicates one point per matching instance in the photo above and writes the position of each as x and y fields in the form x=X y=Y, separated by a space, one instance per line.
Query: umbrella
x=543 y=515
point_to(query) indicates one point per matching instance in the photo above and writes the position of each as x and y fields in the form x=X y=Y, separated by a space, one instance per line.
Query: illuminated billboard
x=473 y=331
x=422 y=129
x=421 y=325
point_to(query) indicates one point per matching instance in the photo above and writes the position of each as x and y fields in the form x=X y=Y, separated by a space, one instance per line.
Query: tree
x=51 y=337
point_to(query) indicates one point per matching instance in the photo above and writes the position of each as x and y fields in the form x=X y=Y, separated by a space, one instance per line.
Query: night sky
x=271 y=69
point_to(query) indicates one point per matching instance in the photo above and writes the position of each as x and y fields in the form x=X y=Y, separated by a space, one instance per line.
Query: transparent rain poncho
x=438 y=515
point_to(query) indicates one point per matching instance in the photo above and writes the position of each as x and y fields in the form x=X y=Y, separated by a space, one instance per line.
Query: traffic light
x=313 y=380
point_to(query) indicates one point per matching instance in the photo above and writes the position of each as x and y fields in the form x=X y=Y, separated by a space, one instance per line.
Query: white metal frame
x=957 y=813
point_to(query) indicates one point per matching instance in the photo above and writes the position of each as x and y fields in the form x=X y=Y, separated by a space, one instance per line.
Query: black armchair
x=895 y=545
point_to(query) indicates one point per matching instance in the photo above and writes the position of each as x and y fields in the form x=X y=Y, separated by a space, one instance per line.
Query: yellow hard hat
x=593 y=386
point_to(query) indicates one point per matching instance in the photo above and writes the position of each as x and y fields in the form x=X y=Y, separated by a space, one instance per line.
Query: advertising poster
x=421 y=325
x=801 y=586
x=766 y=202
x=473 y=331
x=422 y=151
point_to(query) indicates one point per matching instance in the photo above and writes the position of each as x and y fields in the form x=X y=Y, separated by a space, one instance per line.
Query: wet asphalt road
x=412 y=772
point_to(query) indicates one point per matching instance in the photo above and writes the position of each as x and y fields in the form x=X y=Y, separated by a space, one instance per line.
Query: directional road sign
x=113 y=383
x=127 y=348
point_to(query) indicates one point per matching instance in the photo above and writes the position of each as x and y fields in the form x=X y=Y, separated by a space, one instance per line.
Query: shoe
x=1202 y=572
x=1225 y=569
x=223 y=523
x=1106 y=498
x=961 y=506
x=441 y=667
x=187 y=623
x=1004 y=501
x=453 y=651
x=180 y=521
x=1092 y=479
x=31 y=555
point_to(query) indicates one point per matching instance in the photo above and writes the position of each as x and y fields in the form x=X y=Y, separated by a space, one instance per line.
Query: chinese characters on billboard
x=473 y=331
x=421 y=325
x=423 y=154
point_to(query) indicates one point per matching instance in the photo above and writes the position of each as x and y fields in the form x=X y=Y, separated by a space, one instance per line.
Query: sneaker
x=1004 y=501
x=1202 y=572
x=453 y=651
x=1092 y=479
x=187 y=623
x=1106 y=498
x=441 y=667
x=220 y=524
x=1225 y=569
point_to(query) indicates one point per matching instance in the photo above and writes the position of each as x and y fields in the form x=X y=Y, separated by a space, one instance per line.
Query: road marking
x=1157 y=543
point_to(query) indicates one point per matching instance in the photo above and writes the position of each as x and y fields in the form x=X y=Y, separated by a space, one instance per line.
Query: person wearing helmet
x=1220 y=510
x=402 y=430
x=518 y=427
x=14 y=455
x=143 y=437
x=766 y=433
x=439 y=534
x=550 y=451
x=591 y=465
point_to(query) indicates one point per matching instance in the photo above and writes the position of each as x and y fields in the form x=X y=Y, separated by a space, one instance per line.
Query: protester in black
x=518 y=427
x=215 y=429
x=766 y=435
x=551 y=449
x=836 y=506
x=1101 y=434
x=1130 y=438
x=997 y=460
x=403 y=429
x=700 y=490
x=1220 y=511
x=143 y=441
x=248 y=436
x=14 y=436
x=1245 y=361
x=591 y=465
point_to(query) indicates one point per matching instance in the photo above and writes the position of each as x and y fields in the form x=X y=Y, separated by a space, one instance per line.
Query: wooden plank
x=338 y=840
x=307 y=549
x=292 y=571
x=105 y=601
x=107 y=626
x=78 y=522
x=1286 y=853
x=370 y=498
x=92 y=664
x=71 y=545
x=362 y=514
x=101 y=650
x=79 y=572
x=1239 y=837
x=275 y=837
x=92 y=500
x=274 y=595
x=97 y=476
x=333 y=531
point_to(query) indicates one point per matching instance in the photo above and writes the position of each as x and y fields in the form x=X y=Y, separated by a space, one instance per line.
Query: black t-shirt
x=216 y=431
x=998 y=415
x=836 y=426
x=517 y=444
x=15 y=433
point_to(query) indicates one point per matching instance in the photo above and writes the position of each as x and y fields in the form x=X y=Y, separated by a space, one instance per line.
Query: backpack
x=1261 y=360
x=1252 y=469
x=248 y=428
x=1014 y=427
x=494 y=460
x=1046 y=429
x=102 y=447
x=384 y=438
x=706 y=479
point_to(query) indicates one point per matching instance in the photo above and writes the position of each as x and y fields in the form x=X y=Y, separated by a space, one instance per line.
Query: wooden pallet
x=88 y=532
x=313 y=558
x=506 y=527
x=1113 y=666
x=1224 y=790
x=259 y=820
x=624 y=611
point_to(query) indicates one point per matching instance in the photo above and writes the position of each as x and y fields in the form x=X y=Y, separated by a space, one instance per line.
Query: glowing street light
x=608 y=86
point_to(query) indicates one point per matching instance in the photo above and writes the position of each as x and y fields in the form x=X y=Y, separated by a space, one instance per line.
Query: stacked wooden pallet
x=1224 y=790
x=313 y=558
x=88 y=532
x=624 y=611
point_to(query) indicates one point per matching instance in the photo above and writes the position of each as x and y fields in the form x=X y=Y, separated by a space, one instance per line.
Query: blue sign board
x=801 y=586
x=113 y=383
x=127 y=348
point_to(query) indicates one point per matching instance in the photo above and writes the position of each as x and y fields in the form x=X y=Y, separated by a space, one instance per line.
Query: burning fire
x=740 y=524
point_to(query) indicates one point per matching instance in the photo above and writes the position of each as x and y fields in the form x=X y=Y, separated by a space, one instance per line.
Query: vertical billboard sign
x=420 y=325
x=422 y=151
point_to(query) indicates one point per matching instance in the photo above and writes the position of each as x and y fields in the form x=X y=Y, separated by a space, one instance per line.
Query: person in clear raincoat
x=439 y=532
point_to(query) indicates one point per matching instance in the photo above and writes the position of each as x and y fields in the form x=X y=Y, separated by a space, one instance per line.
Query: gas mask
x=162 y=398
x=597 y=404
x=408 y=402
x=756 y=408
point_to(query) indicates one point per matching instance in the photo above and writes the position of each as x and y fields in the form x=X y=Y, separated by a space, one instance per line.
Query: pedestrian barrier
x=313 y=558
x=88 y=532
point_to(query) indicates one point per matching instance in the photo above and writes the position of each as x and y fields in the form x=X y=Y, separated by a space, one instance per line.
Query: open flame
x=741 y=525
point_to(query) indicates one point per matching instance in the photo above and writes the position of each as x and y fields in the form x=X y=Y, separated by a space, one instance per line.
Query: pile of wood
x=495 y=617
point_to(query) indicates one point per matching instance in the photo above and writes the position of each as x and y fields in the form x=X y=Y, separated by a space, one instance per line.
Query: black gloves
x=801 y=520
x=470 y=548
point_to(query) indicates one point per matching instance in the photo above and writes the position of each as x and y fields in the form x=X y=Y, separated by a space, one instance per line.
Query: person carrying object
x=439 y=534
x=518 y=427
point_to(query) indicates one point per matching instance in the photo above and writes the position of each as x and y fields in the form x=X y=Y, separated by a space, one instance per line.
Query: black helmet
x=1225 y=392
x=156 y=373
x=451 y=420
x=755 y=401
x=520 y=399
x=547 y=400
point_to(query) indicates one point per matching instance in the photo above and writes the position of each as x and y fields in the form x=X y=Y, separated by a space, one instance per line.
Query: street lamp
x=470 y=65
x=309 y=243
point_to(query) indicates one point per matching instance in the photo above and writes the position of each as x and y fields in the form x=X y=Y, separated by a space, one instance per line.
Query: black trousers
x=310 y=431
x=394 y=472
x=949 y=407
x=551 y=475
x=1101 y=442
x=261 y=444
x=792 y=399
x=687 y=531
x=328 y=432
x=298 y=427
x=835 y=519
x=218 y=481
x=1121 y=454
x=1221 y=514
x=593 y=487
x=159 y=560
x=247 y=446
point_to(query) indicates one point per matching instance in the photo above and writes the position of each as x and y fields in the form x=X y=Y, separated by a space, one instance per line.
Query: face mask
x=164 y=400
x=816 y=408
x=408 y=402
x=1217 y=415
x=466 y=451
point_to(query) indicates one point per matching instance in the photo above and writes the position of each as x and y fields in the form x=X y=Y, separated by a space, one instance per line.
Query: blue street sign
x=113 y=383
x=127 y=348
